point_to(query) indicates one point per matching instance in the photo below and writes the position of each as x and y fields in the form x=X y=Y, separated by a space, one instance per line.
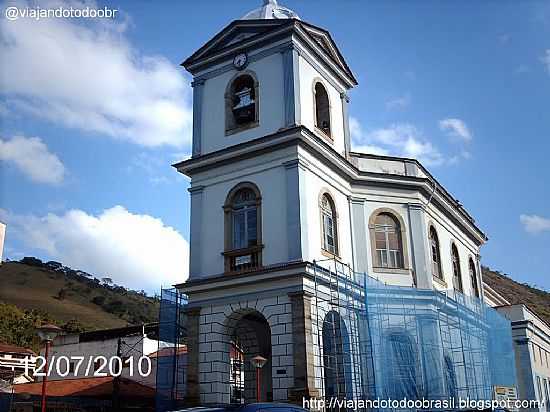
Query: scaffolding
x=374 y=341
x=171 y=354
x=378 y=341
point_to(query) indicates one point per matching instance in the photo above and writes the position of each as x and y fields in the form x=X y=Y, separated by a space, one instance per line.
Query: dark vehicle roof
x=251 y=407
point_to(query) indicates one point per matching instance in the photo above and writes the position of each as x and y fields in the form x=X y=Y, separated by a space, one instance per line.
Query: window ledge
x=324 y=134
x=242 y=128
x=396 y=271
x=440 y=281
x=243 y=251
x=331 y=255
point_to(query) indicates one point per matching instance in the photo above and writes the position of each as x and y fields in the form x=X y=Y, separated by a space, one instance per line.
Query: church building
x=327 y=263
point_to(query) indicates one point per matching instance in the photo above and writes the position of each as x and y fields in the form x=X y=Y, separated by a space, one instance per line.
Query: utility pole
x=116 y=379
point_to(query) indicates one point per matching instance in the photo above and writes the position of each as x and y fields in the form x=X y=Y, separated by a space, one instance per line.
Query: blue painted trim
x=198 y=92
x=293 y=224
x=288 y=88
x=296 y=74
x=419 y=247
x=195 y=241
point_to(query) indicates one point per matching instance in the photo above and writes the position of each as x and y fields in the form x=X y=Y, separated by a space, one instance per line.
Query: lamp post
x=47 y=334
x=258 y=362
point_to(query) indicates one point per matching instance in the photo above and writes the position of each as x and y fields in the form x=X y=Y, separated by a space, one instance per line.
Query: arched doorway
x=250 y=335
x=336 y=357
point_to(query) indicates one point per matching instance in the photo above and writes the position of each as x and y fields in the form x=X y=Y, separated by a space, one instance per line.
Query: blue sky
x=93 y=112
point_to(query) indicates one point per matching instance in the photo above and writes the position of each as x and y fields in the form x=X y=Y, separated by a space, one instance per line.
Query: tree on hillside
x=107 y=281
x=31 y=261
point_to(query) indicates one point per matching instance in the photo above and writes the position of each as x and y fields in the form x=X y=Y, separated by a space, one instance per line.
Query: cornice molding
x=306 y=139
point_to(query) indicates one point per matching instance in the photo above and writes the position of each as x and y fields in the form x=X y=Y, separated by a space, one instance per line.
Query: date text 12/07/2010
x=96 y=366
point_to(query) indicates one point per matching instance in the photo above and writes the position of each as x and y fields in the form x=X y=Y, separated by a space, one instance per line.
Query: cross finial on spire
x=272 y=2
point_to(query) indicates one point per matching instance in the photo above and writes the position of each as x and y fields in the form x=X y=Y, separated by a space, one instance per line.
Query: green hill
x=33 y=292
x=537 y=300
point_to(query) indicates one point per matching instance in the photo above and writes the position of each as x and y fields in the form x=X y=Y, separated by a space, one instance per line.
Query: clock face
x=239 y=61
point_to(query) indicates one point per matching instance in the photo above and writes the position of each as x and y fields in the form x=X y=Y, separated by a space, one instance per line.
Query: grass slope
x=93 y=305
x=537 y=300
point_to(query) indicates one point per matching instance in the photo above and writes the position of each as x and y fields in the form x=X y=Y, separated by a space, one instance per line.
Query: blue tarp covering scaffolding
x=426 y=344
x=171 y=361
x=376 y=341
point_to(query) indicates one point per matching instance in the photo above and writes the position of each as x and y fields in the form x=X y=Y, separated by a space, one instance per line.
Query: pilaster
x=192 y=389
x=302 y=339
x=291 y=86
x=295 y=206
x=195 y=240
x=359 y=234
x=420 y=252
x=198 y=91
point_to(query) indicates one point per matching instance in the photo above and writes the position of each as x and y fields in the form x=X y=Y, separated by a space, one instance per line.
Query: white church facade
x=285 y=217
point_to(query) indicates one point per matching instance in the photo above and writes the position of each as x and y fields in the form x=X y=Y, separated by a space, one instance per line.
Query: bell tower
x=269 y=113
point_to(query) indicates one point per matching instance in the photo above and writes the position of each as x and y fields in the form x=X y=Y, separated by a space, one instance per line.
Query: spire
x=270 y=9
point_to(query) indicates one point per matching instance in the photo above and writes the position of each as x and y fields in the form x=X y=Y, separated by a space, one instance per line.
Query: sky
x=93 y=112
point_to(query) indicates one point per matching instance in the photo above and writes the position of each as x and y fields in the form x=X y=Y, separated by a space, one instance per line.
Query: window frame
x=435 y=263
x=230 y=125
x=404 y=268
x=230 y=252
x=334 y=217
x=457 y=270
x=472 y=273
x=397 y=338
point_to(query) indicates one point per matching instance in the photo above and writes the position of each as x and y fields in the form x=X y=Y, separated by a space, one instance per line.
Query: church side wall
x=449 y=233
x=320 y=179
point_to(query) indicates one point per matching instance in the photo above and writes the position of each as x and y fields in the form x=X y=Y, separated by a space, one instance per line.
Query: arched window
x=436 y=258
x=457 y=276
x=243 y=227
x=336 y=357
x=322 y=108
x=329 y=224
x=473 y=277
x=388 y=244
x=241 y=103
x=402 y=381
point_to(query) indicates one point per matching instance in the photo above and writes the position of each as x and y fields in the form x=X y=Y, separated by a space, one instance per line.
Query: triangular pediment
x=246 y=33
x=323 y=39
x=237 y=32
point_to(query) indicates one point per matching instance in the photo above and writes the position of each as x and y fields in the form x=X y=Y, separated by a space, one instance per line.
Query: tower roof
x=270 y=10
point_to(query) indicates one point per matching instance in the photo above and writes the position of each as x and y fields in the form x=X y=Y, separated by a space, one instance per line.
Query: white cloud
x=398 y=140
x=399 y=102
x=456 y=128
x=137 y=251
x=32 y=157
x=89 y=77
x=546 y=60
x=534 y=223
